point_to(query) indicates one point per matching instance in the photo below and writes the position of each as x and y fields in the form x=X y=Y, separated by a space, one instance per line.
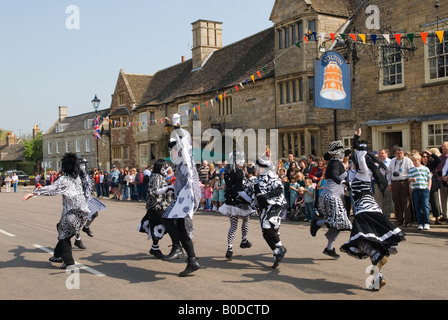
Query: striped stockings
x=234 y=227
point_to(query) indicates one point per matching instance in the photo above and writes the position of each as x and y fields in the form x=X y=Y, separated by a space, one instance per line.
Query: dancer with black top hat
x=238 y=199
x=178 y=217
x=331 y=206
x=372 y=235
x=159 y=196
x=270 y=202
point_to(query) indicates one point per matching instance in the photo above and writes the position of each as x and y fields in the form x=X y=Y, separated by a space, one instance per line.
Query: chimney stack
x=207 y=38
x=36 y=130
x=62 y=113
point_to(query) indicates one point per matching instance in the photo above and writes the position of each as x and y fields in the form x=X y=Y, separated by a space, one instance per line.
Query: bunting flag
x=440 y=34
x=97 y=129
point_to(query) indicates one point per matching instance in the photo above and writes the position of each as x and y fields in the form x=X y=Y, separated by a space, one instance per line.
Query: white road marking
x=7 y=233
x=79 y=265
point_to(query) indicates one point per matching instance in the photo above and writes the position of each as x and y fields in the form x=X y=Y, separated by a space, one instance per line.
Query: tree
x=34 y=149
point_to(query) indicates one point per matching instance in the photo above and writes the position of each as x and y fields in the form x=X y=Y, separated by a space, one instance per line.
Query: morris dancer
x=178 y=217
x=270 y=202
x=238 y=201
x=373 y=235
x=159 y=196
x=331 y=206
x=74 y=208
x=94 y=204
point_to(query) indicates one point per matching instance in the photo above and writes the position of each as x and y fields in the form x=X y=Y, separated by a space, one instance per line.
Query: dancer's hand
x=27 y=196
x=358 y=132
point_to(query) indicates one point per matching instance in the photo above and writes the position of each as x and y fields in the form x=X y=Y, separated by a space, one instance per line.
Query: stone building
x=400 y=90
x=76 y=134
x=267 y=81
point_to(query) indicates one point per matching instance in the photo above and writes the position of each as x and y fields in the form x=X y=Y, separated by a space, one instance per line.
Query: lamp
x=96 y=103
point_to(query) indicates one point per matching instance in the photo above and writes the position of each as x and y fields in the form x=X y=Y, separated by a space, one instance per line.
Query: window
x=49 y=147
x=116 y=153
x=143 y=118
x=183 y=111
x=294 y=142
x=437 y=58
x=437 y=132
x=152 y=116
x=348 y=142
x=310 y=88
x=225 y=106
x=58 y=147
x=287 y=37
x=67 y=146
x=280 y=38
x=121 y=99
x=78 y=146
x=391 y=73
x=87 y=145
x=144 y=154
x=290 y=91
x=88 y=124
x=125 y=153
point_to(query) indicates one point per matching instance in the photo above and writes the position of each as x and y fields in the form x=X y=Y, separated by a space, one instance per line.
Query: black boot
x=79 y=244
x=156 y=253
x=176 y=253
x=192 y=265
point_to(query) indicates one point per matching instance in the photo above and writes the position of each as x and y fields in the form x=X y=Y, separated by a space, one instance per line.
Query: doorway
x=391 y=139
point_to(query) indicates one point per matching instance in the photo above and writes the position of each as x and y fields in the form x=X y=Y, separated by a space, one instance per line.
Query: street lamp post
x=96 y=103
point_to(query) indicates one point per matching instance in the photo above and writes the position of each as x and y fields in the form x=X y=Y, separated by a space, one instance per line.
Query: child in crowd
x=309 y=199
x=208 y=190
x=216 y=185
x=293 y=191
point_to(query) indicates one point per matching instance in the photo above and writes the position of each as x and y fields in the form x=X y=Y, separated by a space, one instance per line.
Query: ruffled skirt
x=375 y=228
x=242 y=210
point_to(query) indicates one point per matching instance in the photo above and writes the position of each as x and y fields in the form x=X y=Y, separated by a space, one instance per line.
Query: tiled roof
x=225 y=68
x=13 y=152
x=341 y=8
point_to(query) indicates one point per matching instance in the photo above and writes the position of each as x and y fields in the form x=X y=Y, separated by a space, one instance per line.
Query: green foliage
x=34 y=149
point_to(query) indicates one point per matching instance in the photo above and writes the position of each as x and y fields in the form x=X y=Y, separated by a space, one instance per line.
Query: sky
x=62 y=53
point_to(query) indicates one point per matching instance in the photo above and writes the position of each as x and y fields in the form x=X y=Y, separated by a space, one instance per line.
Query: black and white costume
x=331 y=206
x=270 y=201
x=74 y=207
x=373 y=235
x=159 y=196
x=178 y=217
x=93 y=203
x=238 y=196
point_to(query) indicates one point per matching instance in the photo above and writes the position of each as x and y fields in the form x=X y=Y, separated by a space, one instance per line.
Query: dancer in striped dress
x=372 y=235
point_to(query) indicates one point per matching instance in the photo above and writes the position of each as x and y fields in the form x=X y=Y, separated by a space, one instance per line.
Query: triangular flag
x=373 y=36
x=363 y=37
x=220 y=97
x=398 y=37
x=424 y=35
x=332 y=36
x=298 y=44
x=387 y=37
x=259 y=74
x=353 y=36
x=343 y=36
x=411 y=37
x=440 y=35
x=306 y=39
x=253 y=78
x=236 y=87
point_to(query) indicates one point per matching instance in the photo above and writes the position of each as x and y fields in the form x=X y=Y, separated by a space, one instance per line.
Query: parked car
x=24 y=179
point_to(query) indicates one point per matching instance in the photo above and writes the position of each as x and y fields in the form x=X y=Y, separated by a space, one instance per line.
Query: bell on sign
x=333 y=88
